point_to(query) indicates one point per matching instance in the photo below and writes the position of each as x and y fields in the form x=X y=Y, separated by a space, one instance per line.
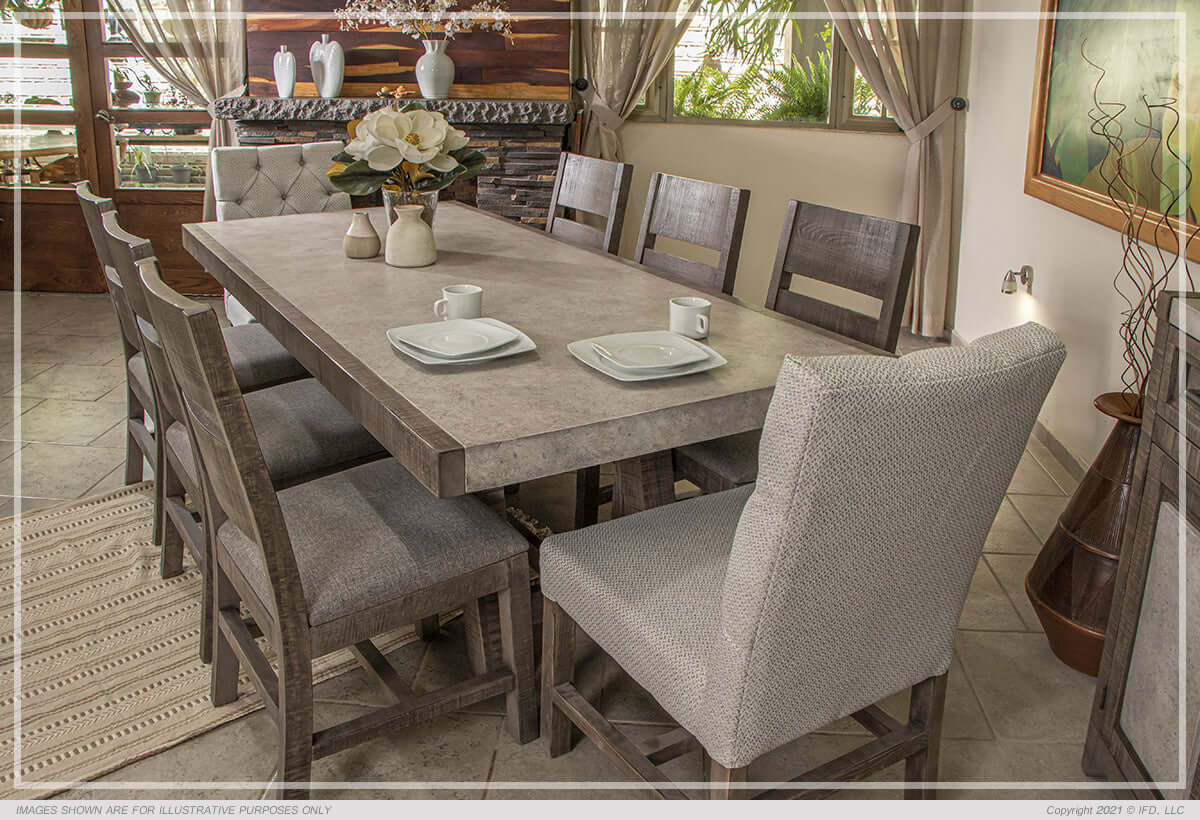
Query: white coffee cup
x=459 y=302
x=689 y=316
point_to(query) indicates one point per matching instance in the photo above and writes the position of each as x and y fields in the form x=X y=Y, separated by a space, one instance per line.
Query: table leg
x=643 y=482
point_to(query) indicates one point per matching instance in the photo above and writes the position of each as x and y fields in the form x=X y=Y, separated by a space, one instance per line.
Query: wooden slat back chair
x=139 y=441
x=328 y=564
x=757 y=615
x=702 y=213
x=865 y=254
x=595 y=186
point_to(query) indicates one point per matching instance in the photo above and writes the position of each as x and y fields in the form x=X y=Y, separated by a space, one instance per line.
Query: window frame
x=660 y=101
x=93 y=115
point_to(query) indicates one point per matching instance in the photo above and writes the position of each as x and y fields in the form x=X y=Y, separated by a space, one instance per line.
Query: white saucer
x=584 y=351
x=520 y=344
x=648 y=350
x=455 y=338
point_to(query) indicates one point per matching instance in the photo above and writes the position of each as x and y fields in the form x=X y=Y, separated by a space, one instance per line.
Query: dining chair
x=701 y=213
x=306 y=434
x=866 y=255
x=271 y=180
x=757 y=615
x=594 y=186
x=330 y=563
x=139 y=438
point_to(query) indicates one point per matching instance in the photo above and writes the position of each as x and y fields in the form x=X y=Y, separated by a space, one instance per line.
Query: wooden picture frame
x=1075 y=198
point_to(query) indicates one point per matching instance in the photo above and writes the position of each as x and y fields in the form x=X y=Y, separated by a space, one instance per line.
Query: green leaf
x=343 y=156
x=359 y=179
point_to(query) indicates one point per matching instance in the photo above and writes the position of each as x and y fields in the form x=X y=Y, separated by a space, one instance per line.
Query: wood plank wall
x=533 y=65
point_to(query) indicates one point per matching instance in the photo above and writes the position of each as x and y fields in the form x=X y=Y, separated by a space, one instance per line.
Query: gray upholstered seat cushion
x=301 y=428
x=258 y=359
x=878 y=481
x=647 y=588
x=734 y=458
x=371 y=534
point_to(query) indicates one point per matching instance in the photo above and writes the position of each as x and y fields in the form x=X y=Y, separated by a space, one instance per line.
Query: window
x=91 y=108
x=765 y=61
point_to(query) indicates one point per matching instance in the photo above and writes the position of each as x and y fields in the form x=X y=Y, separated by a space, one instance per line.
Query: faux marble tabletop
x=531 y=415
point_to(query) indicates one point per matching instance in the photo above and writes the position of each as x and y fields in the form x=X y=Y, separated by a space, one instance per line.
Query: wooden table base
x=642 y=483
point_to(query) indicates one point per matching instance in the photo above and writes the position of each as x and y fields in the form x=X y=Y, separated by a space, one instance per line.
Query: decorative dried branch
x=1146 y=267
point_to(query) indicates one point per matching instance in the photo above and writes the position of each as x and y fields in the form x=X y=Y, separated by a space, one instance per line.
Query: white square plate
x=648 y=350
x=454 y=339
x=520 y=344
x=584 y=351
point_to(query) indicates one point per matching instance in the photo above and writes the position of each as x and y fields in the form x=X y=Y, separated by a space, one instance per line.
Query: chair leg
x=926 y=707
x=223 y=681
x=166 y=484
x=516 y=647
x=722 y=781
x=558 y=666
x=295 y=743
x=133 y=453
x=160 y=457
x=587 y=497
x=481 y=621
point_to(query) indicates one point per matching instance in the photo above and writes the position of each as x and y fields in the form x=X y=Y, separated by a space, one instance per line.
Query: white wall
x=1074 y=260
x=854 y=171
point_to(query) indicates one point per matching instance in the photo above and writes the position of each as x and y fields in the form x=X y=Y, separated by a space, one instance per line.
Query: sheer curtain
x=622 y=53
x=209 y=61
x=911 y=63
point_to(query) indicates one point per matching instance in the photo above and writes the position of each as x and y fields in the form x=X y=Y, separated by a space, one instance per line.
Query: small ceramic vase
x=328 y=62
x=361 y=241
x=409 y=240
x=435 y=71
x=285 y=71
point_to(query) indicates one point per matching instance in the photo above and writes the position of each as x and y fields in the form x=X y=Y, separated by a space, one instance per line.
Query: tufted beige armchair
x=253 y=181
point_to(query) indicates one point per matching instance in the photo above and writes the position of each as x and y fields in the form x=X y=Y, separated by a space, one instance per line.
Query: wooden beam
x=857 y=763
x=668 y=746
x=380 y=669
x=876 y=721
x=612 y=742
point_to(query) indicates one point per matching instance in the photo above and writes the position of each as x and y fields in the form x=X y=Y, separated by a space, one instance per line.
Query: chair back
x=878 y=481
x=252 y=181
x=594 y=186
x=126 y=251
x=864 y=254
x=94 y=207
x=234 y=470
x=701 y=213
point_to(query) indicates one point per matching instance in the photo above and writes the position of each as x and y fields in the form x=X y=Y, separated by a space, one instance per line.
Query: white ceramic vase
x=328 y=62
x=285 y=71
x=435 y=71
x=361 y=241
x=409 y=240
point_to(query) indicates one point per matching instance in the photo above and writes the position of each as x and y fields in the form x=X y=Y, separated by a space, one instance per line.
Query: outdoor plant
x=403 y=149
x=140 y=157
x=709 y=92
x=33 y=14
x=802 y=89
x=427 y=19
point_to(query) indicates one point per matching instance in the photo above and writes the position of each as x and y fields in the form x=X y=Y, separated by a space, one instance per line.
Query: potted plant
x=31 y=14
x=122 y=96
x=431 y=22
x=150 y=92
x=409 y=153
x=143 y=168
x=181 y=174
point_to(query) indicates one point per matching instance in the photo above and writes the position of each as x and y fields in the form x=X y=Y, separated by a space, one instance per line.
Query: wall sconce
x=1024 y=276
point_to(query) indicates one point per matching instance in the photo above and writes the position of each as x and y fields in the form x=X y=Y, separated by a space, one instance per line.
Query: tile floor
x=1014 y=712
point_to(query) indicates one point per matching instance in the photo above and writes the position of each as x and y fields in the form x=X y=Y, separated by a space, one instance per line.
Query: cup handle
x=439 y=308
x=702 y=323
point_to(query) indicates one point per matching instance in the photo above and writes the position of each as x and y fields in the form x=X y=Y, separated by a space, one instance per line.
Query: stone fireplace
x=521 y=139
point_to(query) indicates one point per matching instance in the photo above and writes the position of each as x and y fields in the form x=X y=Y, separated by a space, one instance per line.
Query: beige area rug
x=110 y=670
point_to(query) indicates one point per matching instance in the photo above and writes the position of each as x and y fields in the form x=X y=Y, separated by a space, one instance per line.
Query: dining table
x=475 y=427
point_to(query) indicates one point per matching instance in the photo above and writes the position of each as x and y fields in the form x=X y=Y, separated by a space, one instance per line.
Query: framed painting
x=1108 y=137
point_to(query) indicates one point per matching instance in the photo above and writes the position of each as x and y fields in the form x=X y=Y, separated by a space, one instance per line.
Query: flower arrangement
x=426 y=19
x=408 y=149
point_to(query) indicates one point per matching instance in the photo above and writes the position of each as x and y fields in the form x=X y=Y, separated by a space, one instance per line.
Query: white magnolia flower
x=455 y=138
x=443 y=163
x=424 y=139
x=387 y=137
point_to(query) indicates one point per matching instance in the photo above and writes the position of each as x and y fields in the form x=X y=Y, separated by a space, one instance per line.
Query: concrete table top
x=463 y=429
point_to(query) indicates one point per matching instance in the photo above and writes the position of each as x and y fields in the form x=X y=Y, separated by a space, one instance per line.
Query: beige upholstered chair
x=271 y=180
x=139 y=439
x=757 y=615
x=328 y=564
x=593 y=186
x=864 y=254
